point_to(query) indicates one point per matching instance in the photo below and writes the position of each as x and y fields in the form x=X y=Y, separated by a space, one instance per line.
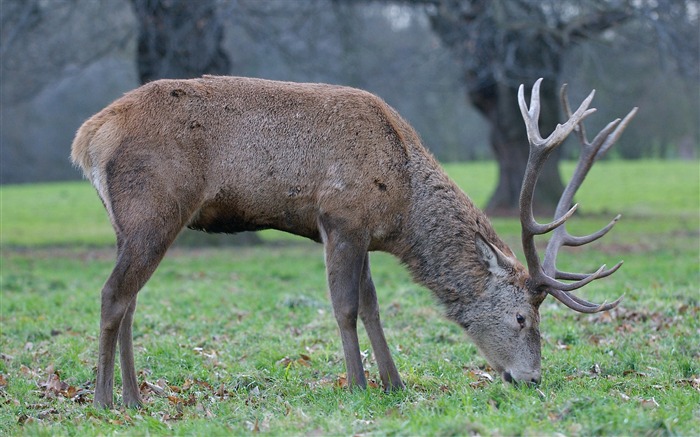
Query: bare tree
x=179 y=39
x=502 y=43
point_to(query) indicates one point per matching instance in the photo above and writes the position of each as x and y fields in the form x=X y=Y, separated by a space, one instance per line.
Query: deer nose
x=533 y=378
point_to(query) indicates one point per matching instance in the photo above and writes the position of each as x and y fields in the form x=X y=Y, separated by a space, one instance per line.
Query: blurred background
x=450 y=67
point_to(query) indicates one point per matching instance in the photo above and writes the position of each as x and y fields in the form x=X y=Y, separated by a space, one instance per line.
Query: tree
x=179 y=39
x=503 y=43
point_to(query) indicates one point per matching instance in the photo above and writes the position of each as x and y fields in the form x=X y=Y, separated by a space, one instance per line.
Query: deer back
x=253 y=154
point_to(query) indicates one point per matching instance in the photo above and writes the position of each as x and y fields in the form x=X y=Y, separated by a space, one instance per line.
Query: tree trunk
x=179 y=39
x=496 y=56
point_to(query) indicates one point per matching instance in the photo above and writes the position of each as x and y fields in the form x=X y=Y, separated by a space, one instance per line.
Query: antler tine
x=582 y=305
x=549 y=281
x=578 y=276
x=612 y=138
x=545 y=275
x=580 y=129
x=574 y=241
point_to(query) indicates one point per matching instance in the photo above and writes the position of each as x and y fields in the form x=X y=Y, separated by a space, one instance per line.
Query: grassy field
x=242 y=340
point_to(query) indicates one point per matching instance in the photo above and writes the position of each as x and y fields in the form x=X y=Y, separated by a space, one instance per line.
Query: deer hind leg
x=130 y=393
x=344 y=263
x=137 y=259
x=146 y=221
x=369 y=313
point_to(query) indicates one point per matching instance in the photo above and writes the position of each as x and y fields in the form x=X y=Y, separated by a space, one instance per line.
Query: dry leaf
x=341 y=381
x=26 y=371
x=649 y=403
x=148 y=387
x=622 y=396
x=694 y=382
x=284 y=362
x=190 y=401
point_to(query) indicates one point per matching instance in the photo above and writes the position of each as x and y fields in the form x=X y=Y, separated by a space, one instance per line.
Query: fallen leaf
x=190 y=401
x=26 y=371
x=53 y=386
x=222 y=391
x=341 y=381
x=148 y=387
x=204 y=384
x=693 y=382
x=480 y=375
x=622 y=396
x=81 y=396
x=188 y=383
x=649 y=403
x=284 y=362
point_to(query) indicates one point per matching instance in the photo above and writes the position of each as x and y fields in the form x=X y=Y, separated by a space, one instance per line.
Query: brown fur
x=330 y=163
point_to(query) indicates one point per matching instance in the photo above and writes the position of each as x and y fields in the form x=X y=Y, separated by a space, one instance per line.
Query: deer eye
x=521 y=320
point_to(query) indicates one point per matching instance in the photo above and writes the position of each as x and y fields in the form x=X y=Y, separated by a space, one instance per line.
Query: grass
x=242 y=340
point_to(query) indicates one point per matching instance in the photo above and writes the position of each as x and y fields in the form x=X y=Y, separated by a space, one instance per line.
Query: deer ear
x=491 y=257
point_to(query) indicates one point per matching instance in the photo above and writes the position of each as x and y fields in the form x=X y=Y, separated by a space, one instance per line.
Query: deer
x=341 y=167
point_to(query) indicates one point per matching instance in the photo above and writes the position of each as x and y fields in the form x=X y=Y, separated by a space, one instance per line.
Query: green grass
x=244 y=340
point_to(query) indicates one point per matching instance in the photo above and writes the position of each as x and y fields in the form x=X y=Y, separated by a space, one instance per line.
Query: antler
x=545 y=275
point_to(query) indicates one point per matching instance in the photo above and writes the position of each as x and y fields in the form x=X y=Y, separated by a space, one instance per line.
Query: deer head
x=510 y=339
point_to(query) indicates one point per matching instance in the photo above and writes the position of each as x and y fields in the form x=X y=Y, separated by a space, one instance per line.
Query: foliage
x=237 y=341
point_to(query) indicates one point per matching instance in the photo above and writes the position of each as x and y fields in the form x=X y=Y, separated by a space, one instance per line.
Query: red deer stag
x=341 y=167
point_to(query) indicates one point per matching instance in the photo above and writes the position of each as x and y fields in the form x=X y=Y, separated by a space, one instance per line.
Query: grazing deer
x=341 y=167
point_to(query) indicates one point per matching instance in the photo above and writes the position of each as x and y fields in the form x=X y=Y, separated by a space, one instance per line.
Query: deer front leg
x=344 y=265
x=369 y=313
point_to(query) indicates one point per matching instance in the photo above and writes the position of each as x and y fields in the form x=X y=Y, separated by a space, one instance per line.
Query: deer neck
x=440 y=250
